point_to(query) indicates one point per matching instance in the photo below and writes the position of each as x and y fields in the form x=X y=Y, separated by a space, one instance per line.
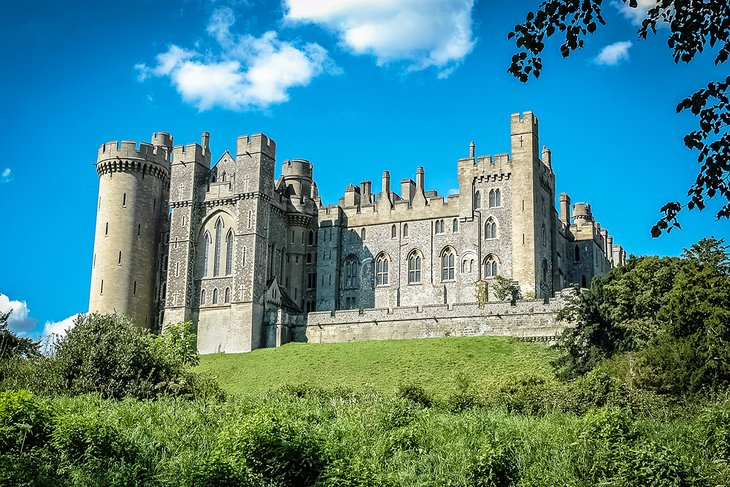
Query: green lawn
x=437 y=364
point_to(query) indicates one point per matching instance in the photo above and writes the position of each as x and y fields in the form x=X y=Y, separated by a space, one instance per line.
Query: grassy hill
x=437 y=364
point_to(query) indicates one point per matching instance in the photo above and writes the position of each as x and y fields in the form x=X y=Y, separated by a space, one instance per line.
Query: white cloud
x=54 y=330
x=20 y=320
x=6 y=175
x=247 y=71
x=635 y=15
x=613 y=54
x=422 y=33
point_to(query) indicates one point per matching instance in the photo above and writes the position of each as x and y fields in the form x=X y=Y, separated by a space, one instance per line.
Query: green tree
x=692 y=27
x=13 y=346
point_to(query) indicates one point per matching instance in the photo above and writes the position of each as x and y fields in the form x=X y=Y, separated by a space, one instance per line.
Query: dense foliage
x=692 y=27
x=669 y=318
x=12 y=345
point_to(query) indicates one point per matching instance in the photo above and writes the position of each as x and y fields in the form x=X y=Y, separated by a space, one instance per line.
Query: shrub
x=36 y=374
x=529 y=395
x=714 y=424
x=605 y=434
x=25 y=421
x=648 y=463
x=496 y=466
x=266 y=447
x=415 y=394
x=345 y=473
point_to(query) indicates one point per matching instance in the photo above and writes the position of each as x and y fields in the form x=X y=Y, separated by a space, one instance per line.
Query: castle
x=255 y=262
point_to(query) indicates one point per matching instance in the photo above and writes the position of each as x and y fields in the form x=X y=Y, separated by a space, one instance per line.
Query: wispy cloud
x=55 y=330
x=6 y=175
x=421 y=33
x=245 y=72
x=613 y=54
x=635 y=15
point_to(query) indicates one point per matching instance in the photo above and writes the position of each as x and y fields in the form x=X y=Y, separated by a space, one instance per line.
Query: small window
x=455 y=225
x=202 y=296
x=101 y=291
x=447 y=265
x=311 y=237
x=227 y=295
x=495 y=198
x=490 y=228
x=119 y=261
x=477 y=200
x=583 y=282
x=106 y=229
x=393 y=231
x=414 y=268
x=362 y=234
x=490 y=266
x=309 y=258
x=381 y=270
x=405 y=230
x=124 y=200
x=577 y=254
x=292 y=235
x=302 y=237
x=139 y=228
x=250 y=219
x=134 y=288
x=215 y=296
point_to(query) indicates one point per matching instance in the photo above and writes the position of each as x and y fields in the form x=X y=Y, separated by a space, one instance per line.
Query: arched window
x=381 y=270
x=577 y=254
x=229 y=252
x=311 y=237
x=477 y=200
x=439 y=226
x=362 y=234
x=447 y=265
x=393 y=231
x=490 y=266
x=217 y=254
x=490 y=228
x=227 y=295
x=495 y=198
x=414 y=268
x=351 y=268
x=202 y=296
x=405 y=230
x=455 y=225
x=215 y=296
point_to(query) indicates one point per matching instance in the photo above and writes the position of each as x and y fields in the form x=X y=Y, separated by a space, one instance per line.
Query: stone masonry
x=255 y=262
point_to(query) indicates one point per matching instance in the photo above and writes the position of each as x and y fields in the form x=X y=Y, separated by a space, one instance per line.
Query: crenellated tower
x=133 y=191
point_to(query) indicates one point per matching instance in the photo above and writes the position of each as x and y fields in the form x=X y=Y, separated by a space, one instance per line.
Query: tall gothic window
x=202 y=296
x=414 y=268
x=495 y=198
x=439 y=226
x=393 y=231
x=217 y=256
x=447 y=265
x=227 y=295
x=351 y=266
x=490 y=228
x=477 y=200
x=206 y=253
x=455 y=225
x=229 y=253
x=215 y=296
x=490 y=266
x=405 y=230
x=381 y=270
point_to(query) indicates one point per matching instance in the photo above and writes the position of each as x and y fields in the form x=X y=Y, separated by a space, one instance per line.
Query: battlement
x=129 y=149
x=297 y=167
x=256 y=143
x=523 y=123
x=191 y=153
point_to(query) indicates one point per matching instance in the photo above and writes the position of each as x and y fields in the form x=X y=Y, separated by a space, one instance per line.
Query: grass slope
x=437 y=364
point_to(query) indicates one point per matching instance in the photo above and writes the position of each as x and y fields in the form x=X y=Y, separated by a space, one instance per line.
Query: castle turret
x=565 y=208
x=133 y=191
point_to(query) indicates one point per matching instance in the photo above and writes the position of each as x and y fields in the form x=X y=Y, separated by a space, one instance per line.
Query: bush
x=714 y=424
x=496 y=466
x=25 y=421
x=415 y=394
x=267 y=448
x=529 y=395
x=36 y=374
x=345 y=473
x=648 y=463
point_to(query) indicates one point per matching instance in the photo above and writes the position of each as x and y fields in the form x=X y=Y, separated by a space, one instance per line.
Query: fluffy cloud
x=20 y=320
x=635 y=15
x=613 y=54
x=422 y=33
x=247 y=72
x=5 y=175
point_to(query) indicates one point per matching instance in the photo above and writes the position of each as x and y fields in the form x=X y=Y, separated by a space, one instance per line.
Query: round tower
x=133 y=189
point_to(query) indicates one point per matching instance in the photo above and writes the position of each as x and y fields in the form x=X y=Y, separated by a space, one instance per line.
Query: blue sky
x=355 y=86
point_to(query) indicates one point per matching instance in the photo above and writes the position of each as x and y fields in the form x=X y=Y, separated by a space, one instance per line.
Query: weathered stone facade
x=255 y=262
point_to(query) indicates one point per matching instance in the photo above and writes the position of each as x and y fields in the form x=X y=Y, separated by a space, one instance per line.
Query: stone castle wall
x=525 y=319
